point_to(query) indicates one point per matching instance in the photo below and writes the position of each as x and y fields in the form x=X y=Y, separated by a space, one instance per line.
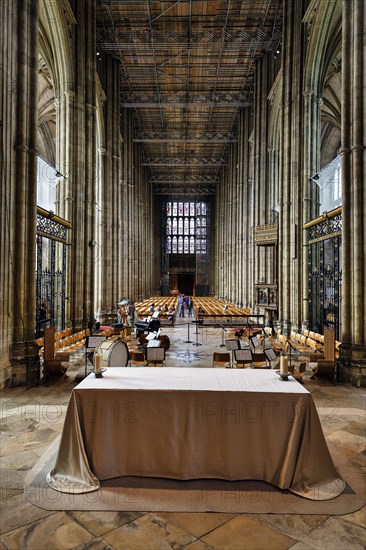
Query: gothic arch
x=56 y=80
x=322 y=79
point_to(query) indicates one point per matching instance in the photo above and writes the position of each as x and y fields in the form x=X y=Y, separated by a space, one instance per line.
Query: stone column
x=18 y=130
x=290 y=219
x=352 y=364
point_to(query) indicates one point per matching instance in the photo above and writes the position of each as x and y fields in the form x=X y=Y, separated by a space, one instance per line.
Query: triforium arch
x=52 y=257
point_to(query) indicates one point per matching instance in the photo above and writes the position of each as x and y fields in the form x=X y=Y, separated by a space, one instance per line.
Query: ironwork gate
x=324 y=272
x=51 y=270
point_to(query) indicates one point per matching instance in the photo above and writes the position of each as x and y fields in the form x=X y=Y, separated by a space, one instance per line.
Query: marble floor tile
x=9 y=445
x=198 y=545
x=100 y=523
x=358 y=518
x=197 y=524
x=55 y=532
x=95 y=544
x=338 y=534
x=293 y=525
x=348 y=440
x=149 y=532
x=16 y=511
x=245 y=533
x=25 y=460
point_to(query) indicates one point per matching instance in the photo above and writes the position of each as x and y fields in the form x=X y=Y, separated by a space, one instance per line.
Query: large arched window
x=186 y=218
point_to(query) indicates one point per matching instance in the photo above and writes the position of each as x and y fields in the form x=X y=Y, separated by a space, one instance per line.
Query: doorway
x=186 y=283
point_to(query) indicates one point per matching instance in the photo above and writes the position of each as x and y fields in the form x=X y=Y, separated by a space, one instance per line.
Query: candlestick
x=283 y=365
x=98 y=362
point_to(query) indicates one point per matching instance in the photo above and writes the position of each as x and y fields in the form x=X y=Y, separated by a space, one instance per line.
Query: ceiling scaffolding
x=187 y=68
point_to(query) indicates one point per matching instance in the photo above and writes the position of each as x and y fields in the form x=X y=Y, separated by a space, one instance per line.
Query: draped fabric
x=185 y=423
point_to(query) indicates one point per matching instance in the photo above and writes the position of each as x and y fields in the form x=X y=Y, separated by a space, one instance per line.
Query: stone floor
x=31 y=418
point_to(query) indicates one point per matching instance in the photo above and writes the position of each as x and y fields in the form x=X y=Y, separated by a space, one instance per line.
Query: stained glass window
x=188 y=219
x=169 y=245
x=191 y=245
x=180 y=245
x=180 y=226
x=186 y=226
x=186 y=245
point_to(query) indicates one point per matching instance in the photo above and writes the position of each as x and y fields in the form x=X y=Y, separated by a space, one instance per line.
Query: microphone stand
x=222 y=345
x=291 y=347
x=197 y=343
x=188 y=341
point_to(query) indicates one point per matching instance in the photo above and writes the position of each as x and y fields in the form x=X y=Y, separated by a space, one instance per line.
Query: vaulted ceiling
x=187 y=68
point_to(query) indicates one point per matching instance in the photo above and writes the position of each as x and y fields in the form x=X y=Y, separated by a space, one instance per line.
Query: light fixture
x=59 y=175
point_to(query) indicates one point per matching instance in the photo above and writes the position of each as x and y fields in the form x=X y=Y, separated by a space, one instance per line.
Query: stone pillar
x=18 y=159
x=352 y=363
x=310 y=193
x=290 y=220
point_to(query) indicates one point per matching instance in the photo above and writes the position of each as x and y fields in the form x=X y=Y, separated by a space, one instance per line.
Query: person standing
x=190 y=307
x=181 y=305
x=131 y=315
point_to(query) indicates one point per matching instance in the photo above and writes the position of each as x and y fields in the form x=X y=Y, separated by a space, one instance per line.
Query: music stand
x=155 y=355
x=243 y=355
x=270 y=355
x=153 y=344
x=254 y=341
x=231 y=345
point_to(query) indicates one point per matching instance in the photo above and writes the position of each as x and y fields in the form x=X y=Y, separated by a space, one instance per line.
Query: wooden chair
x=137 y=358
x=298 y=372
x=220 y=359
x=260 y=361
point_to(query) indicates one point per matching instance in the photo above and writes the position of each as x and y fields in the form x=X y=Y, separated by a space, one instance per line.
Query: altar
x=190 y=423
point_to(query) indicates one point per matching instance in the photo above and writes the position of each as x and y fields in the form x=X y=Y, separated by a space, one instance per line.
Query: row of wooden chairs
x=215 y=307
x=142 y=308
x=65 y=347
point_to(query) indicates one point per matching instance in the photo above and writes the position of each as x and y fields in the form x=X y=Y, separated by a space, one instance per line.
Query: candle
x=98 y=362
x=283 y=365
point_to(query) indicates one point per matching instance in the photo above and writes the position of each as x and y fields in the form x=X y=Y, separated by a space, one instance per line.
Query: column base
x=25 y=366
x=352 y=365
x=286 y=328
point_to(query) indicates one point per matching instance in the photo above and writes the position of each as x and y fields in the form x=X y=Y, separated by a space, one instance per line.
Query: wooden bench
x=59 y=346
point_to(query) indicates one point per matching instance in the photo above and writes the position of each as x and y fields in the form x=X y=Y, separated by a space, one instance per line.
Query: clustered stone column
x=233 y=222
x=353 y=349
x=291 y=183
x=18 y=159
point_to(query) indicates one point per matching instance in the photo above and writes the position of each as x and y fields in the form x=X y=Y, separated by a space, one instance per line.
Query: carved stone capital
x=308 y=93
